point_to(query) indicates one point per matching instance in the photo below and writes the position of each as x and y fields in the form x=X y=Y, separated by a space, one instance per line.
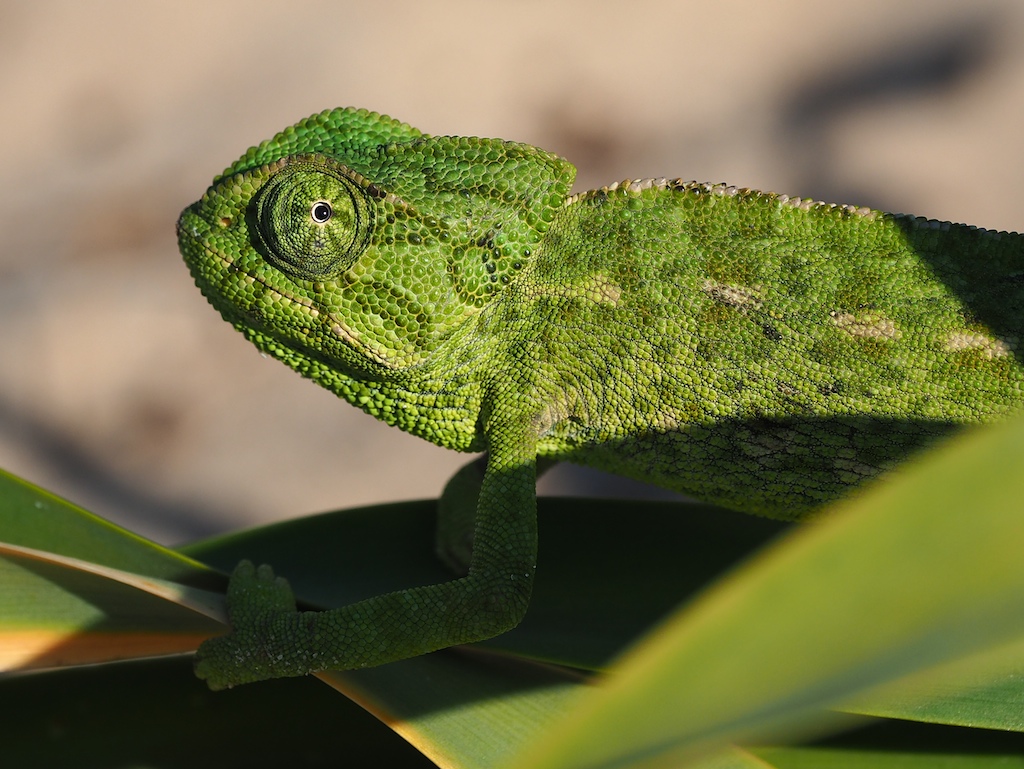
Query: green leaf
x=33 y=518
x=924 y=568
x=79 y=590
x=984 y=690
x=57 y=611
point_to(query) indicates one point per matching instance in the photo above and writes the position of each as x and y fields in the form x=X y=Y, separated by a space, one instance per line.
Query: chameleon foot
x=257 y=601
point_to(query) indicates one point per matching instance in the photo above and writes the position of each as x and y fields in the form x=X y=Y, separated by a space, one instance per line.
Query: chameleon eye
x=312 y=220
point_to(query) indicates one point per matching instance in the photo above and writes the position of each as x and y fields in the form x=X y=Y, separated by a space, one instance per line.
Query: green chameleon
x=760 y=352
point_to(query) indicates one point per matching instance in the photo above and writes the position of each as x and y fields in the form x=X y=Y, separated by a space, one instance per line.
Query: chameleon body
x=759 y=352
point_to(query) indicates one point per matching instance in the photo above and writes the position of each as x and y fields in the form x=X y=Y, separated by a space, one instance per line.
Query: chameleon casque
x=760 y=352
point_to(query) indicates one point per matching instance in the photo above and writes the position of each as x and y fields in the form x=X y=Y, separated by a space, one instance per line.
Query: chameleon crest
x=757 y=351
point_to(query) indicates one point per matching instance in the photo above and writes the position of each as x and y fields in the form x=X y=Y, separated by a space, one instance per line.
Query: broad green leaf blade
x=984 y=691
x=33 y=518
x=922 y=569
x=58 y=611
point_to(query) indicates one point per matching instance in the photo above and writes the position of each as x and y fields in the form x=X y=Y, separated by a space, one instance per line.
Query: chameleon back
x=761 y=352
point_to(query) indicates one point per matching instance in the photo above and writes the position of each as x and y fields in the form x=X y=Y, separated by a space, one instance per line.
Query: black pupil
x=321 y=211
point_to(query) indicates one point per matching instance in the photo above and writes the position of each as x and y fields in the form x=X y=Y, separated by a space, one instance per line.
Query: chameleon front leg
x=456 y=512
x=269 y=639
x=456 y=515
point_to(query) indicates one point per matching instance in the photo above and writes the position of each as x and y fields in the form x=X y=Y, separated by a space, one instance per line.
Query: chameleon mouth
x=182 y=226
x=203 y=260
x=192 y=229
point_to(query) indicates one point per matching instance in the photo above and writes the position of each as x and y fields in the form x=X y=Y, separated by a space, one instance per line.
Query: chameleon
x=764 y=353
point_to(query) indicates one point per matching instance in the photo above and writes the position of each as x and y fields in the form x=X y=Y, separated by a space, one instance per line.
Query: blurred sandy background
x=121 y=389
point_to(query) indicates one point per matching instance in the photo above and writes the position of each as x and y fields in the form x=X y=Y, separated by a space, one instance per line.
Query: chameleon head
x=353 y=241
x=293 y=254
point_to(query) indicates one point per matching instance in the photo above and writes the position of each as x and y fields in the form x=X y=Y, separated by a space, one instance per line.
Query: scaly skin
x=763 y=353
